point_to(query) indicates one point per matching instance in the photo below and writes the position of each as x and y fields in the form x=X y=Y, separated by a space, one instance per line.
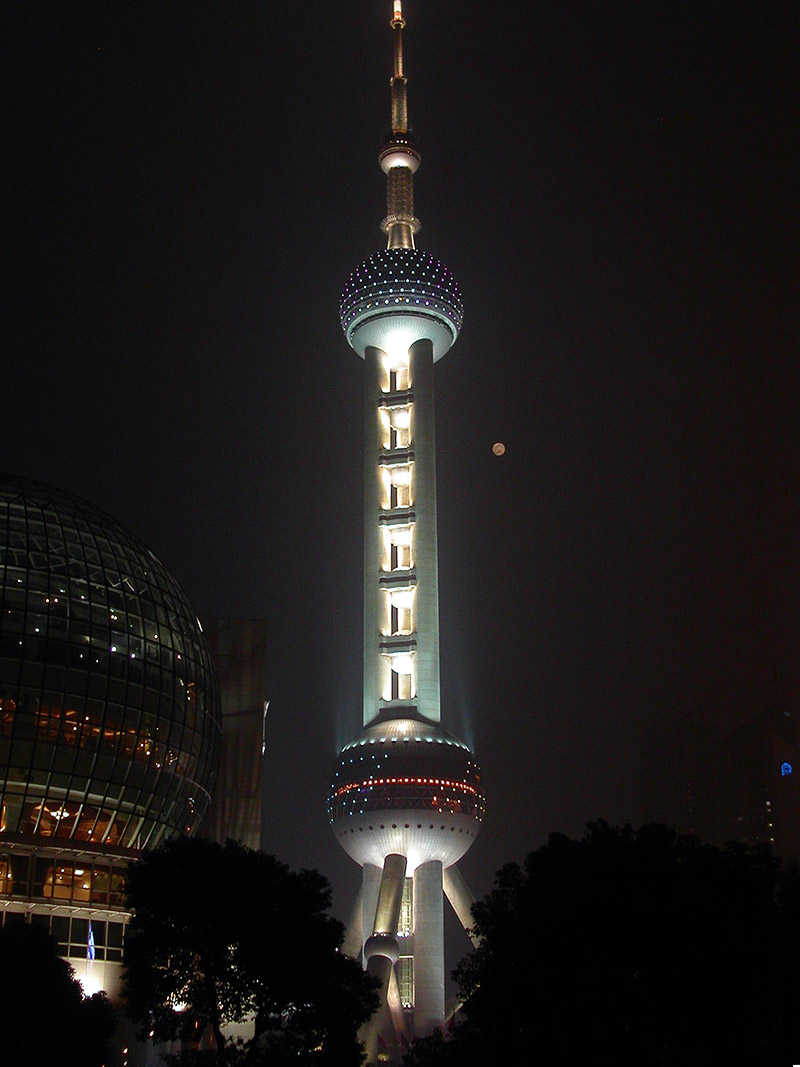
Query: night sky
x=615 y=188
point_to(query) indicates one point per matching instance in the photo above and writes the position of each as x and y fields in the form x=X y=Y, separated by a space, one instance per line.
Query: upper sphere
x=399 y=152
x=109 y=703
x=399 y=296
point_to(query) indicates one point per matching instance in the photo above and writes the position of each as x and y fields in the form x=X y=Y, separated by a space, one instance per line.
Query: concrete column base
x=428 y=949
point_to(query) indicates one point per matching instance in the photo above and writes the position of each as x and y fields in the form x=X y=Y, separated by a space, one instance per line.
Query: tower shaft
x=401 y=579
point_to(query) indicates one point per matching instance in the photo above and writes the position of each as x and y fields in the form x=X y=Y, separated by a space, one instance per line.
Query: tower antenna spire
x=399 y=103
x=399 y=158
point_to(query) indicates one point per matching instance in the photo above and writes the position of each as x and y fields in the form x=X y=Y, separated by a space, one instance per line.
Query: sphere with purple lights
x=398 y=296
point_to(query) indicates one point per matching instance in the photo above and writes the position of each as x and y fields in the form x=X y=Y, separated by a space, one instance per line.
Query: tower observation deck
x=406 y=800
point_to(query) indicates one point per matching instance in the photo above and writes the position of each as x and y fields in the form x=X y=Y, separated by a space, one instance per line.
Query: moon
x=498 y=448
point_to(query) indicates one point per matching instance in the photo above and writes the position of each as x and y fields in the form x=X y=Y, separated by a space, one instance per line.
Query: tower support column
x=428 y=949
x=372 y=542
x=353 y=941
x=381 y=952
x=370 y=885
x=424 y=437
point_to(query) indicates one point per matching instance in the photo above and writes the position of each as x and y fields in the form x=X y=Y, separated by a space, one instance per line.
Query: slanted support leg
x=353 y=934
x=381 y=952
x=461 y=899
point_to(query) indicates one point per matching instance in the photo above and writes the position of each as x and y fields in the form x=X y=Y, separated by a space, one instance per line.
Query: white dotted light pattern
x=406 y=765
x=367 y=783
x=403 y=283
x=407 y=787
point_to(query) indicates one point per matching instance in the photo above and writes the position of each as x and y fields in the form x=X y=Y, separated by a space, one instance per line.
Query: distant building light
x=786 y=768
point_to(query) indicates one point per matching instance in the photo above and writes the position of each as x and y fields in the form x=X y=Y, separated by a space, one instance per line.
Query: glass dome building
x=109 y=710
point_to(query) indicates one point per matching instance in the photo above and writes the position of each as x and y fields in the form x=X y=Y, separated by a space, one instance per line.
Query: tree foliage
x=223 y=934
x=629 y=948
x=44 y=1016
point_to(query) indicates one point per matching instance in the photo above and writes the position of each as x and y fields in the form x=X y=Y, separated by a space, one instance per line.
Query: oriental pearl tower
x=406 y=800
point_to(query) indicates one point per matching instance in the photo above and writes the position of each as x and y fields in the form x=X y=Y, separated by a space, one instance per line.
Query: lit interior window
x=406 y=925
x=400 y=427
x=401 y=604
x=395 y=426
x=398 y=548
x=403 y=677
x=398 y=680
x=399 y=379
x=402 y=686
x=405 y=980
x=401 y=557
x=396 y=483
x=396 y=376
x=400 y=487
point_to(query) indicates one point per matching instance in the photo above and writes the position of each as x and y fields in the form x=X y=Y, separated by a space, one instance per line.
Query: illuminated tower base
x=406 y=805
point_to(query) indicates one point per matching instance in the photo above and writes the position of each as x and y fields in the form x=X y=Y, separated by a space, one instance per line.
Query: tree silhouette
x=630 y=948
x=44 y=1016
x=223 y=934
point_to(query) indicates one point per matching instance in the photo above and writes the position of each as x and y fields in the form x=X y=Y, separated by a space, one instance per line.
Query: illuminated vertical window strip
x=405 y=980
x=406 y=926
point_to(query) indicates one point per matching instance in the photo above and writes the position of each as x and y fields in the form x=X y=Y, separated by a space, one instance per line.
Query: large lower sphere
x=406 y=787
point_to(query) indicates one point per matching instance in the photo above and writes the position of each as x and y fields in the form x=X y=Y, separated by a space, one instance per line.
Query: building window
x=405 y=980
x=72 y=935
x=401 y=558
x=398 y=438
x=402 y=688
x=400 y=620
x=400 y=427
x=400 y=496
x=398 y=678
x=406 y=927
x=398 y=378
x=395 y=425
x=400 y=486
x=398 y=545
x=14 y=875
x=401 y=603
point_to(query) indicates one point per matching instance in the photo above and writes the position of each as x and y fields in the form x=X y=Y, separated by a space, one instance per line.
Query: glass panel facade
x=109 y=706
x=83 y=880
x=71 y=934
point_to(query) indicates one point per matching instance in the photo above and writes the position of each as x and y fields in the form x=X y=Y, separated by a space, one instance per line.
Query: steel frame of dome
x=109 y=715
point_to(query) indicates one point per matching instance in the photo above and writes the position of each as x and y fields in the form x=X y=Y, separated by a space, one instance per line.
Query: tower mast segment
x=399 y=158
x=406 y=800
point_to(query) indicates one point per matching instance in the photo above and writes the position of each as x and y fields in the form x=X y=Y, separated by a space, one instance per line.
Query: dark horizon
x=614 y=189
